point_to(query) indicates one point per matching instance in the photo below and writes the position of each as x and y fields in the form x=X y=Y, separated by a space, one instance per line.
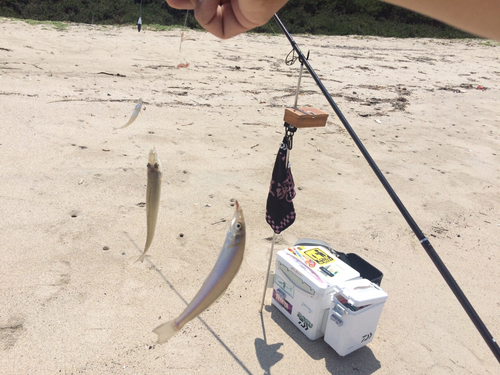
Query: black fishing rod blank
x=488 y=338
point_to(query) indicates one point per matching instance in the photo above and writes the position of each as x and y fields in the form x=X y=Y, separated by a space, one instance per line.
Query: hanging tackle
x=139 y=22
x=153 y=190
x=136 y=112
x=218 y=280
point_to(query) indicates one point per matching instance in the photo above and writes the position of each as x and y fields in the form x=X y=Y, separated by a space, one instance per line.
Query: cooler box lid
x=300 y=274
x=326 y=264
x=361 y=292
x=316 y=266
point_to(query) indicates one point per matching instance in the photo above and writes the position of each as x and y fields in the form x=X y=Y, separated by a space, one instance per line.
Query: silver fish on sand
x=152 y=198
x=136 y=112
x=217 y=281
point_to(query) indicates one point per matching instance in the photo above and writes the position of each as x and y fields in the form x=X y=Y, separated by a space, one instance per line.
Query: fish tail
x=146 y=248
x=141 y=258
x=166 y=330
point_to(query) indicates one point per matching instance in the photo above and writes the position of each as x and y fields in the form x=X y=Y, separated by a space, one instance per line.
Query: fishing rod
x=424 y=241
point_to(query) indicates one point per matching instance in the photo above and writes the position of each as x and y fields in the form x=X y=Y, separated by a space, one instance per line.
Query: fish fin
x=127 y=124
x=166 y=331
x=141 y=258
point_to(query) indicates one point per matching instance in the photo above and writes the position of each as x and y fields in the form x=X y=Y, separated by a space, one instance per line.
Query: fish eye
x=149 y=165
x=156 y=165
x=238 y=226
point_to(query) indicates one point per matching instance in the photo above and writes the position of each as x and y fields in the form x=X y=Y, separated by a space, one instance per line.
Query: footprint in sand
x=53 y=279
x=10 y=332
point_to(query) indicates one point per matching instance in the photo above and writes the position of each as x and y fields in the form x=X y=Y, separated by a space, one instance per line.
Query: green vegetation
x=327 y=17
x=58 y=25
x=490 y=43
x=156 y=27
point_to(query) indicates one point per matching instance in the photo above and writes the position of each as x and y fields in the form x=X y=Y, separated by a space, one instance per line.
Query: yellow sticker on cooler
x=319 y=256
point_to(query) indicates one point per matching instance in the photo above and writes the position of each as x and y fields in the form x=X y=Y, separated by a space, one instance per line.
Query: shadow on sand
x=361 y=361
x=234 y=356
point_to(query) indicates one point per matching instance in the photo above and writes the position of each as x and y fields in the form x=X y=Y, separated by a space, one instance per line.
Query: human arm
x=479 y=17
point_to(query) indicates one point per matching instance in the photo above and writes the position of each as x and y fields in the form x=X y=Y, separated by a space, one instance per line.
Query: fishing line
x=271 y=26
x=184 y=64
x=424 y=241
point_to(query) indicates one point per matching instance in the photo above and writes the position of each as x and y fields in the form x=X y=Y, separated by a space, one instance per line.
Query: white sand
x=68 y=306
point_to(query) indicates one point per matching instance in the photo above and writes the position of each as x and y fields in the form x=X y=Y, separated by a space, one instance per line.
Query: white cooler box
x=304 y=282
x=354 y=315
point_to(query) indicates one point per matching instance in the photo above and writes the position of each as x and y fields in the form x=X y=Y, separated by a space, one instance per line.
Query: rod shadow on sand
x=267 y=354
x=235 y=357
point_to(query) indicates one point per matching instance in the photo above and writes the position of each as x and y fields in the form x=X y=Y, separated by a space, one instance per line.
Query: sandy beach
x=72 y=193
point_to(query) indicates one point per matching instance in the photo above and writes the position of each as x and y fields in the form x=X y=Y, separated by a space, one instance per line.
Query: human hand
x=228 y=18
